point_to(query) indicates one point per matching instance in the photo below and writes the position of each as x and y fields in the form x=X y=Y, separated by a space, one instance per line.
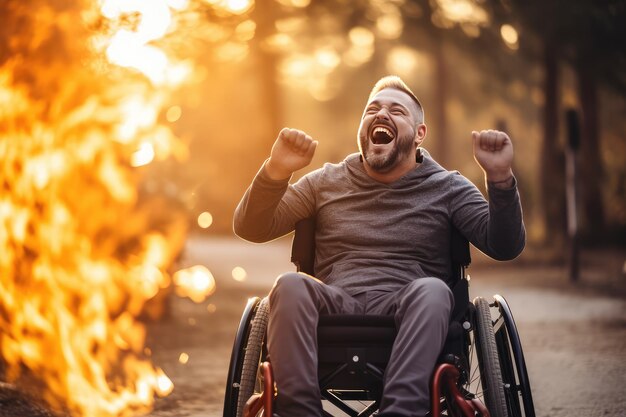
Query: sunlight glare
x=295 y=3
x=131 y=48
x=327 y=58
x=279 y=42
x=362 y=48
x=460 y=11
x=402 y=60
x=178 y=4
x=238 y=6
x=245 y=30
x=361 y=36
x=297 y=66
x=390 y=26
x=232 y=51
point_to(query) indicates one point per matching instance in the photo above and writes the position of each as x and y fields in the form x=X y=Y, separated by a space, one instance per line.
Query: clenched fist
x=493 y=151
x=293 y=150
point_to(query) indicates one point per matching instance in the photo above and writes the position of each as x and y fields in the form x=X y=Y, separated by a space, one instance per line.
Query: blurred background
x=516 y=66
x=129 y=126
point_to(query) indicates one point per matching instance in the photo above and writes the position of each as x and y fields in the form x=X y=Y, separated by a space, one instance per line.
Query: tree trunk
x=267 y=75
x=591 y=167
x=441 y=148
x=552 y=158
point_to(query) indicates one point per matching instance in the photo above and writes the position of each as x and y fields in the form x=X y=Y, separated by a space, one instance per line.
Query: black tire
x=252 y=355
x=488 y=361
x=512 y=363
x=508 y=371
x=233 y=378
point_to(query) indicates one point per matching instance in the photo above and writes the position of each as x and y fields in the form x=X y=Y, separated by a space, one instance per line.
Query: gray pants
x=422 y=313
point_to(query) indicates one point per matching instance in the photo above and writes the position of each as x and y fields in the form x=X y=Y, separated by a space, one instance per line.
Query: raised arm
x=496 y=227
x=271 y=206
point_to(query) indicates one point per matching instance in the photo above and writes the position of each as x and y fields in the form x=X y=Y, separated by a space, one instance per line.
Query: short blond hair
x=395 y=82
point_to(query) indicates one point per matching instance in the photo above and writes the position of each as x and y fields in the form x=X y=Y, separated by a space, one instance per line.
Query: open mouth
x=382 y=135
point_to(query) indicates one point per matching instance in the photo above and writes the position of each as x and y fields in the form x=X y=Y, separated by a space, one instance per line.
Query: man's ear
x=420 y=134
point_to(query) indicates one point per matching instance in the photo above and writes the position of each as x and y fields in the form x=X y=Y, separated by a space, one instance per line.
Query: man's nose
x=382 y=114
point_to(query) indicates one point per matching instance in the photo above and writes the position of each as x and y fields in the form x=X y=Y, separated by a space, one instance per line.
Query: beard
x=384 y=162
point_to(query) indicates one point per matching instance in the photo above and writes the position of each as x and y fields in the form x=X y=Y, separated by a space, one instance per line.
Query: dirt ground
x=574 y=336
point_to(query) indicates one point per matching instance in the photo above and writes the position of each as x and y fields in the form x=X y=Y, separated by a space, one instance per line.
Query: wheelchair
x=481 y=370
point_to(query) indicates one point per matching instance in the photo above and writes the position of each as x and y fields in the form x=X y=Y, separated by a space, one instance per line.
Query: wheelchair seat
x=361 y=344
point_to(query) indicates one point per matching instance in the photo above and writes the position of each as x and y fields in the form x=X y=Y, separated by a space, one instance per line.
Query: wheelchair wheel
x=233 y=381
x=252 y=355
x=488 y=360
x=512 y=363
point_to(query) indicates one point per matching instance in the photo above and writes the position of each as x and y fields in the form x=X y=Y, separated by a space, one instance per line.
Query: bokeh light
x=239 y=274
x=205 y=219
x=402 y=60
x=509 y=35
x=183 y=358
x=195 y=282
x=173 y=114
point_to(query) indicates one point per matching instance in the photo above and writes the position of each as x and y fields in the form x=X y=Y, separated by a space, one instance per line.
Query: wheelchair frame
x=490 y=347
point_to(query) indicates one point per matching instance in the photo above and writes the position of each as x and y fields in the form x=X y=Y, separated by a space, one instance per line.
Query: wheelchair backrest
x=303 y=246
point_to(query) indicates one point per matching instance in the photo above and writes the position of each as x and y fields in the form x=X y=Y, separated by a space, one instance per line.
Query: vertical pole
x=552 y=164
x=571 y=194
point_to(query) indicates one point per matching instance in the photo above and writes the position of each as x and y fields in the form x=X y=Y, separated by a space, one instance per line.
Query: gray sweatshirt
x=374 y=235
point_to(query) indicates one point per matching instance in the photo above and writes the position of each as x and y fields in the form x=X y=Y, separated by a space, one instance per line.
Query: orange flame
x=80 y=259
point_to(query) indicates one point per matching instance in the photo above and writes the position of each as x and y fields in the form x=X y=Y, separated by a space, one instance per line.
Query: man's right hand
x=293 y=150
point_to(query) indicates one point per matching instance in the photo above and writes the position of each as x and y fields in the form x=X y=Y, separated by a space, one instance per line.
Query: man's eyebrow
x=402 y=106
x=391 y=105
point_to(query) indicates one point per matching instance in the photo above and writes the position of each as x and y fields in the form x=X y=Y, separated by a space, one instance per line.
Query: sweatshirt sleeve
x=270 y=209
x=495 y=227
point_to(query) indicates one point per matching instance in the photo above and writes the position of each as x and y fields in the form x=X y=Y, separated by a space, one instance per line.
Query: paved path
x=574 y=337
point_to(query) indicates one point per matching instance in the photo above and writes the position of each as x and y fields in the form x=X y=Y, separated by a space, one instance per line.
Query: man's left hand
x=493 y=151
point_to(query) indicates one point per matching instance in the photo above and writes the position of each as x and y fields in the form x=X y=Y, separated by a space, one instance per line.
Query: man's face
x=388 y=134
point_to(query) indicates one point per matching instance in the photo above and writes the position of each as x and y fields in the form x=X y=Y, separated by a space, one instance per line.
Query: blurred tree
x=265 y=16
x=597 y=45
x=589 y=35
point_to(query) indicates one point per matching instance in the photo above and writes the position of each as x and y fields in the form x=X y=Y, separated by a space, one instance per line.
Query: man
x=383 y=236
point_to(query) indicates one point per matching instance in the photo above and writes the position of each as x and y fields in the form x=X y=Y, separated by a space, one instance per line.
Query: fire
x=132 y=48
x=143 y=156
x=83 y=86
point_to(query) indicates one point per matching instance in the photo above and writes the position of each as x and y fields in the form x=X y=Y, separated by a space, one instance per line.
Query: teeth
x=383 y=130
